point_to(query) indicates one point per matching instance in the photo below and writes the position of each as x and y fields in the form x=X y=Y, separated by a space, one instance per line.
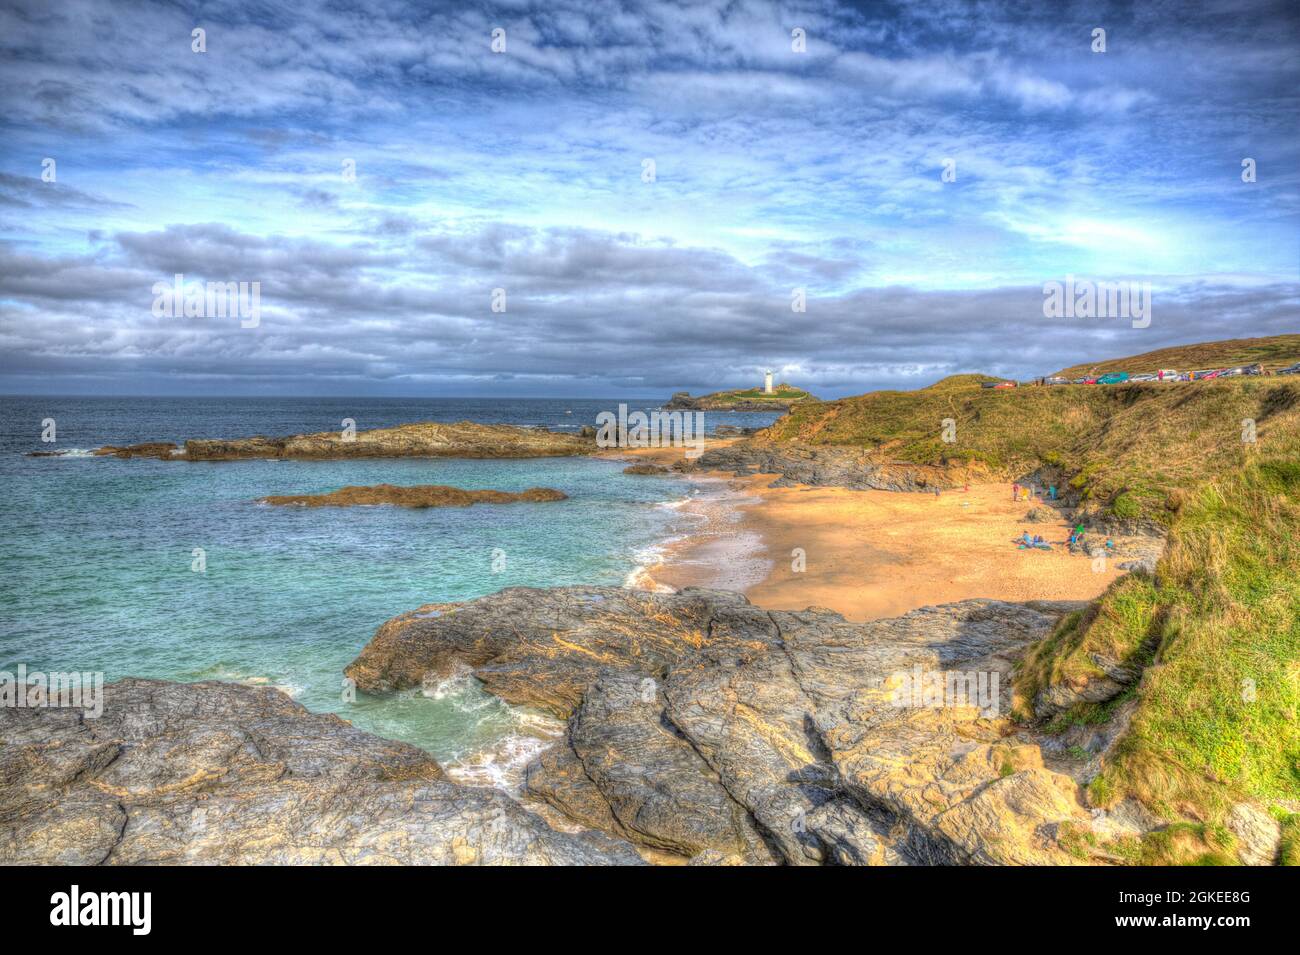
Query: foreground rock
x=427 y=439
x=706 y=726
x=221 y=774
x=420 y=495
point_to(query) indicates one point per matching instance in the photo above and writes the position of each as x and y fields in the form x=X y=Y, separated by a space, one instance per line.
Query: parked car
x=1114 y=378
x=1206 y=374
x=1056 y=380
x=1169 y=374
x=1290 y=369
x=1150 y=377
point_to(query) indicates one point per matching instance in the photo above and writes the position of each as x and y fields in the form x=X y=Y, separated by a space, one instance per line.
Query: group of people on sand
x=1022 y=492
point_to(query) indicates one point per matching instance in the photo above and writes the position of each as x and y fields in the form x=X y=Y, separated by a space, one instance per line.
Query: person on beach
x=1015 y=492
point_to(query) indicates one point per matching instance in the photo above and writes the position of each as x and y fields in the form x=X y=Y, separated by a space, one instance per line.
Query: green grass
x=1217 y=706
x=1129 y=451
x=788 y=395
x=1273 y=353
x=1290 y=850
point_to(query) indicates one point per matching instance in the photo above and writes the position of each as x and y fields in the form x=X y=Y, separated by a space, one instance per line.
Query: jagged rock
x=426 y=439
x=645 y=468
x=543 y=648
x=1144 y=565
x=702 y=724
x=832 y=466
x=1039 y=515
x=419 y=495
x=645 y=774
x=222 y=774
x=164 y=450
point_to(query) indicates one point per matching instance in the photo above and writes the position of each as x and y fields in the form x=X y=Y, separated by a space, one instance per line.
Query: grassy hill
x=1273 y=353
x=1130 y=451
x=1212 y=721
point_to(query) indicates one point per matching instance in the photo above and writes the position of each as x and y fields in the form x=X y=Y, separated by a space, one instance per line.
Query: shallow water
x=98 y=554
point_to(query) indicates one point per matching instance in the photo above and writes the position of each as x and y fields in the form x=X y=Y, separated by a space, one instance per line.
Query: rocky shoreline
x=704 y=726
x=699 y=725
x=225 y=774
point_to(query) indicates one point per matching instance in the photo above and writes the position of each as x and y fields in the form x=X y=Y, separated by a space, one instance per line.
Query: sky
x=650 y=187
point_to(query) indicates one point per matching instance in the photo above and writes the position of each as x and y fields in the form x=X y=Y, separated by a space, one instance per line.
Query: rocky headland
x=419 y=495
x=426 y=439
x=783 y=398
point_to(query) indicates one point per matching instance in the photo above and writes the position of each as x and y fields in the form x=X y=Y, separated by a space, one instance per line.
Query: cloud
x=524 y=171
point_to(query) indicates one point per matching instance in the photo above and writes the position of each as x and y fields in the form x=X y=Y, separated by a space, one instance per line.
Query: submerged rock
x=645 y=468
x=222 y=774
x=426 y=439
x=420 y=495
x=706 y=726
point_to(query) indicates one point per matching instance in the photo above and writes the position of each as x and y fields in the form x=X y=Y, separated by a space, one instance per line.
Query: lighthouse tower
x=767 y=383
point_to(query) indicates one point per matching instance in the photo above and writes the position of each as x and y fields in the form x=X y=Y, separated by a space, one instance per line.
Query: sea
x=171 y=570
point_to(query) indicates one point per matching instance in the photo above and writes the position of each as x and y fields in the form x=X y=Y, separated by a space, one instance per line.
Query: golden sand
x=870 y=554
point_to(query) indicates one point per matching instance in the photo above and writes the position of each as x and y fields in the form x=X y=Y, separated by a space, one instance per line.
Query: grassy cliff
x=1130 y=451
x=1211 y=721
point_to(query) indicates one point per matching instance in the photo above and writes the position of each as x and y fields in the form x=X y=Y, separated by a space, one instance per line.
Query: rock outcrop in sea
x=426 y=439
x=741 y=400
x=418 y=495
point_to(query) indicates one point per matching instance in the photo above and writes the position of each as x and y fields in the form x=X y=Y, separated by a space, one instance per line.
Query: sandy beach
x=868 y=554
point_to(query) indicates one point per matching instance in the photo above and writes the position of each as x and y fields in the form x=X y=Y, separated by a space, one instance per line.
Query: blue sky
x=523 y=170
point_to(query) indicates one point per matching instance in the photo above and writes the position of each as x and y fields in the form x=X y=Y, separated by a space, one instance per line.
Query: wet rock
x=645 y=468
x=420 y=495
x=224 y=774
x=163 y=450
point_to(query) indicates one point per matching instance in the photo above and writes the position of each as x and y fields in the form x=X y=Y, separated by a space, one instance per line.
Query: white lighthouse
x=767 y=383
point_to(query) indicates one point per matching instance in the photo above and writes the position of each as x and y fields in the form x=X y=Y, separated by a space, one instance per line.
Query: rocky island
x=425 y=439
x=781 y=398
x=419 y=495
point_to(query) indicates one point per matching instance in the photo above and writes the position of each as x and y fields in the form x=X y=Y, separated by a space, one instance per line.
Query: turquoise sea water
x=97 y=553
